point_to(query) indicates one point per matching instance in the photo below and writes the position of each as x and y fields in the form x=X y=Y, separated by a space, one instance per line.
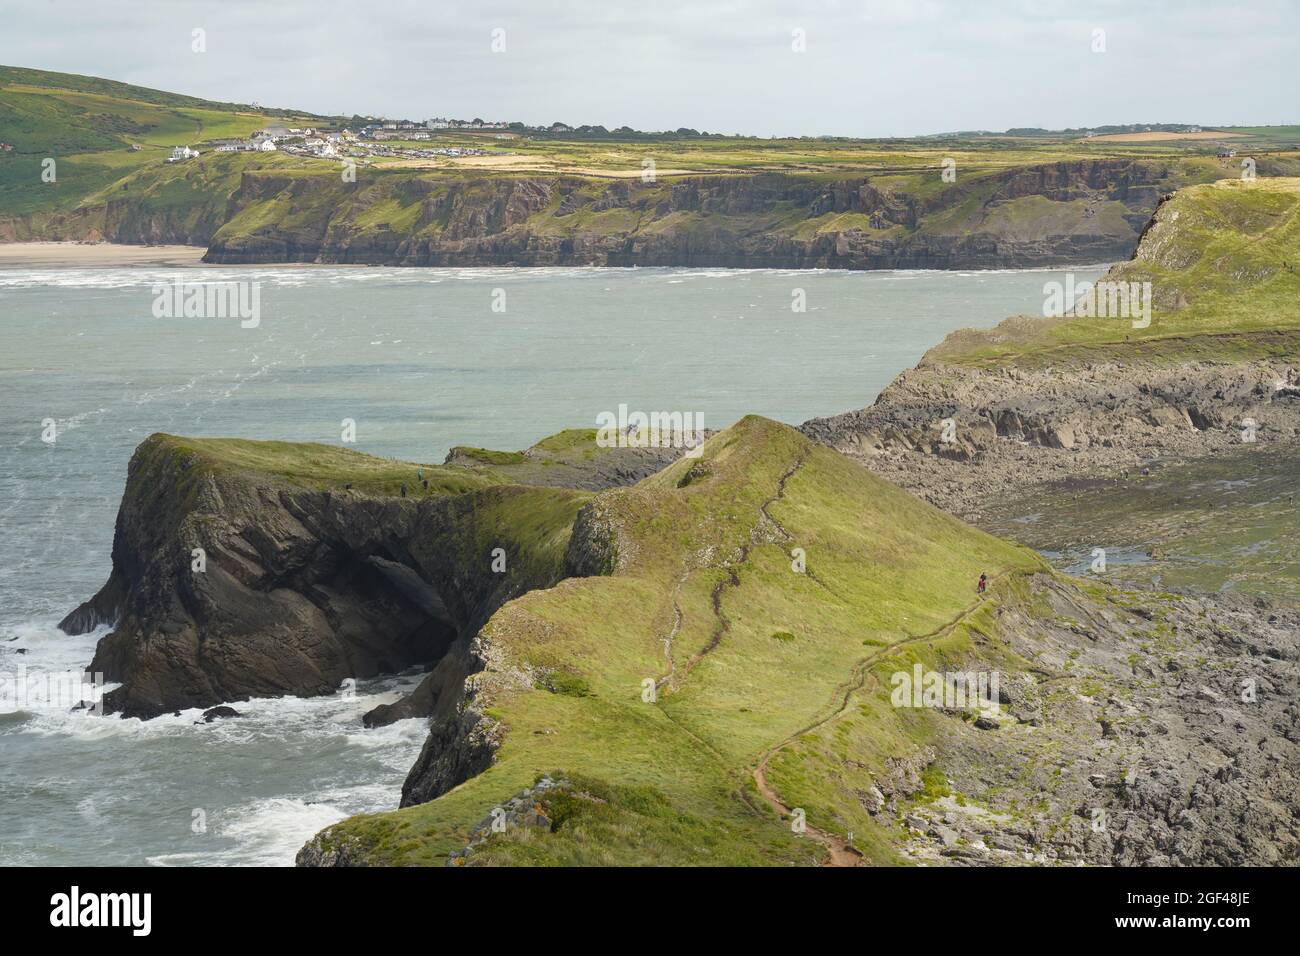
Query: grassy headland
x=747 y=653
x=1223 y=263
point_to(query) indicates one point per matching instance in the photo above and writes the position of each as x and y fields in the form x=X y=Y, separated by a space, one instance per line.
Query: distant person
x=983 y=583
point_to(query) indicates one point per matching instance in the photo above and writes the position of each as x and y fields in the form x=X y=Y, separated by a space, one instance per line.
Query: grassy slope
x=570 y=445
x=760 y=652
x=1224 y=263
x=319 y=467
x=88 y=125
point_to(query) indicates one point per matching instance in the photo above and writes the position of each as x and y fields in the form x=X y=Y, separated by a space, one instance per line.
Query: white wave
x=267 y=832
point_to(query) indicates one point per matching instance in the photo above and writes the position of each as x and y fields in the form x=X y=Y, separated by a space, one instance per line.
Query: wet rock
x=217 y=713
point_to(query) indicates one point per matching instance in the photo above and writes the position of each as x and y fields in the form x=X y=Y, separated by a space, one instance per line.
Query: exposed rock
x=1024 y=425
x=217 y=713
x=525 y=809
x=719 y=221
x=300 y=589
x=1186 y=775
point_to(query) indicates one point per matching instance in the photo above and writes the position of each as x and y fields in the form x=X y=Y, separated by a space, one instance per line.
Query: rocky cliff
x=1120 y=735
x=249 y=210
x=963 y=437
x=1085 y=211
x=233 y=577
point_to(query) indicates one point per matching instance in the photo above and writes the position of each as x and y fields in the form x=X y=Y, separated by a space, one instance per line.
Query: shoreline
x=76 y=255
x=83 y=255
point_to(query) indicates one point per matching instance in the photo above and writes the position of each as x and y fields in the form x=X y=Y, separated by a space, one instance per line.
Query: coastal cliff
x=261 y=569
x=1214 y=365
x=684 y=652
x=250 y=210
x=771 y=690
x=1089 y=211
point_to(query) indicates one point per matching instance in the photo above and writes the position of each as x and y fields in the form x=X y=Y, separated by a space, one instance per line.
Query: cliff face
x=298 y=589
x=765 y=220
x=247 y=569
x=250 y=210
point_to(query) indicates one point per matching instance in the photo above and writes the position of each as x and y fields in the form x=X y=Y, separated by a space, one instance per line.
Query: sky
x=820 y=67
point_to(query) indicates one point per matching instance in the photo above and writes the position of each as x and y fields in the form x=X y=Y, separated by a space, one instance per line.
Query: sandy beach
x=83 y=255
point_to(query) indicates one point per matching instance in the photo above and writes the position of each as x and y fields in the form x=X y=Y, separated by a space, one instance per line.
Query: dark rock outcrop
x=958 y=435
x=218 y=713
x=227 y=586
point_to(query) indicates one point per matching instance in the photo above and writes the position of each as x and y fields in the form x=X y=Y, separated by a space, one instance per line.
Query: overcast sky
x=869 y=67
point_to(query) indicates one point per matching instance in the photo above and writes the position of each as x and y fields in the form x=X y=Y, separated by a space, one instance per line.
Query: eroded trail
x=841 y=853
x=732 y=580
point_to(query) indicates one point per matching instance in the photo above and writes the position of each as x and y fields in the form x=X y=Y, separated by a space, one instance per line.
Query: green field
x=89 y=126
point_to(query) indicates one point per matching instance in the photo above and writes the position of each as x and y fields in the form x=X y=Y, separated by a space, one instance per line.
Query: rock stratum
x=249 y=210
x=260 y=569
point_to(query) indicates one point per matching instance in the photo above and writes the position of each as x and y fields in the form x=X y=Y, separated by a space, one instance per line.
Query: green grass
x=487 y=456
x=1222 y=262
x=567 y=457
x=320 y=467
x=88 y=126
x=595 y=823
x=47 y=79
x=881 y=565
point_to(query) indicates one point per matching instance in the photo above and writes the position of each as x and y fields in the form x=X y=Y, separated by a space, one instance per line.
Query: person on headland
x=983 y=583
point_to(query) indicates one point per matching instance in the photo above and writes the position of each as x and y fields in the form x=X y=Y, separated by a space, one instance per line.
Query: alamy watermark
x=24 y=690
x=209 y=300
x=625 y=429
x=1104 y=299
x=955 y=690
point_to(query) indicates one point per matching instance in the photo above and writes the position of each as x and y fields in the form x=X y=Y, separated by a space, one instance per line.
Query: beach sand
x=86 y=255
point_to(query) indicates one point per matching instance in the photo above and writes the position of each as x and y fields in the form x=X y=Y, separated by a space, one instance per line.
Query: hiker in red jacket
x=984 y=582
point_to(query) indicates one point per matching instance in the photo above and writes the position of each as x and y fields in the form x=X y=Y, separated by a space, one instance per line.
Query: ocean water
x=420 y=360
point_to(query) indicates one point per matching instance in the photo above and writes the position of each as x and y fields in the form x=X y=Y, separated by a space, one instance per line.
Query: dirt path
x=732 y=580
x=841 y=852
